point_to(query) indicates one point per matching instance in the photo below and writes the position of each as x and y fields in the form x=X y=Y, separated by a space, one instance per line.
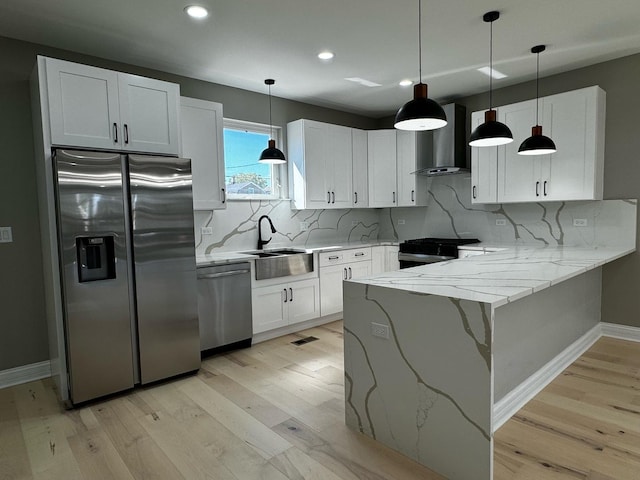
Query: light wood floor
x=275 y=412
x=585 y=424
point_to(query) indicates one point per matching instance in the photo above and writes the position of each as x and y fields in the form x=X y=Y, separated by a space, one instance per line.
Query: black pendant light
x=491 y=132
x=537 y=144
x=421 y=113
x=271 y=154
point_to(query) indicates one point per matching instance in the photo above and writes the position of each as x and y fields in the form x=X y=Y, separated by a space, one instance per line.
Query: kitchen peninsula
x=430 y=351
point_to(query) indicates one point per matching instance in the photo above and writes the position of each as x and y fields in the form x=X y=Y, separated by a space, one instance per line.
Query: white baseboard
x=25 y=373
x=507 y=406
x=513 y=401
x=623 y=332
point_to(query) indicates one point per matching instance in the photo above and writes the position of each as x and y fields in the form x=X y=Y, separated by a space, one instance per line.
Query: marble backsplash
x=235 y=228
x=449 y=213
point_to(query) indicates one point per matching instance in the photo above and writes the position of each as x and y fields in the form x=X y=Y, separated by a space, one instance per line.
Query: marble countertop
x=221 y=258
x=501 y=277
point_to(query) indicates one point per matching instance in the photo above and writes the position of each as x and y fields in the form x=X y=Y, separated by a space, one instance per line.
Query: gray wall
x=23 y=332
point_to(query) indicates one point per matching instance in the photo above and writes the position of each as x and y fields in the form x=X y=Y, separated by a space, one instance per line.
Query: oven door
x=408 y=260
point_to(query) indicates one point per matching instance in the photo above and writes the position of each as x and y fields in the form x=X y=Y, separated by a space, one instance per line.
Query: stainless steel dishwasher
x=224 y=306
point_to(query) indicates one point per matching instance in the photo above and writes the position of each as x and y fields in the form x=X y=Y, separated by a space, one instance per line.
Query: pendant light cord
x=537 y=86
x=491 y=66
x=270 y=122
x=420 y=39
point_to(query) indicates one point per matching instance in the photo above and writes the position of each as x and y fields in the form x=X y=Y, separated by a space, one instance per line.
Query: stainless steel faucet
x=262 y=243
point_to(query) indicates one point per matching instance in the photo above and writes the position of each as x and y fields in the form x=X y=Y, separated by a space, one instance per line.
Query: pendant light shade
x=491 y=132
x=271 y=154
x=537 y=143
x=421 y=113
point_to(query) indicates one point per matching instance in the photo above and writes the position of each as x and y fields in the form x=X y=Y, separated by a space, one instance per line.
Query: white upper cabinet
x=383 y=189
x=360 y=168
x=149 y=114
x=320 y=165
x=201 y=133
x=412 y=188
x=517 y=174
x=98 y=108
x=484 y=168
x=575 y=121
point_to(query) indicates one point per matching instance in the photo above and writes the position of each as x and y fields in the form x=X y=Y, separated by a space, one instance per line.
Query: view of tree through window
x=244 y=176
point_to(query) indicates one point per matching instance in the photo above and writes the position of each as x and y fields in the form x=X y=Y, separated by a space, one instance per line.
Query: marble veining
x=499 y=277
x=235 y=228
x=450 y=213
x=428 y=400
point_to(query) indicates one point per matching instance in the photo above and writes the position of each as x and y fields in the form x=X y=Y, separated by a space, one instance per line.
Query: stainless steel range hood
x=444 y=151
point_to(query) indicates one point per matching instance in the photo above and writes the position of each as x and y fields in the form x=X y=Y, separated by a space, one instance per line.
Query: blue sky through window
x=241 y=152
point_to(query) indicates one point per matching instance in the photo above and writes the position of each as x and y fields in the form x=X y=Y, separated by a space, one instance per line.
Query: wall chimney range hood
x=444 y=151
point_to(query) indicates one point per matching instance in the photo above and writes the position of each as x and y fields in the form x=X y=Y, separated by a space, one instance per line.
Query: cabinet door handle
x=344 y=273
x=355 y=194
x=544 y=188
x=224 y=195
x=413 y=199
x=126 y=134
x=537 y=189
x=291 y=294
x=285 y=295
x=328 y=197
x=350 y=274
x=473 y=192
x=394 y=197
x=115 y=133
x=333 y=194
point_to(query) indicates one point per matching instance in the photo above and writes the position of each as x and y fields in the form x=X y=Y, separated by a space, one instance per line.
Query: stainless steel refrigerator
x=127 y=262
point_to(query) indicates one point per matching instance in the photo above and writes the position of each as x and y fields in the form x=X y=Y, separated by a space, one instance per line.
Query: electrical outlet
x=6 y=236
x=580 y=222
x=501 y=222
x=401 y=222
x=206 y=230
x=304 y=226
x=379 y=330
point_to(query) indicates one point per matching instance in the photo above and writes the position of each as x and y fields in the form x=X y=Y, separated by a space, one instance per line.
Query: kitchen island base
x=428 y=390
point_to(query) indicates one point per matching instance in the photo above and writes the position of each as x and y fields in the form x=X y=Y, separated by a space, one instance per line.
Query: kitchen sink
x=281 y=262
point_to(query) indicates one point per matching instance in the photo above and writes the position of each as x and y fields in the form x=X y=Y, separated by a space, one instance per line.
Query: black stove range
x=421 y=251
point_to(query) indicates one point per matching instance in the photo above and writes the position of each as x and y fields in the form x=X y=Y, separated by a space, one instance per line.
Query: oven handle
x=423 y=258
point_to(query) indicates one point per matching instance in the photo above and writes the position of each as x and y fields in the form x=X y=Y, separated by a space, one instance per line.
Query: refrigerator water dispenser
x=96 y=258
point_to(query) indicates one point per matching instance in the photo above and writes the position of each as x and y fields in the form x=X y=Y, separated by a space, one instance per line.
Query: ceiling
x=242 y=42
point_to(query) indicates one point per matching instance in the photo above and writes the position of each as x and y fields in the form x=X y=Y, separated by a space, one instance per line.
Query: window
x=245 y=178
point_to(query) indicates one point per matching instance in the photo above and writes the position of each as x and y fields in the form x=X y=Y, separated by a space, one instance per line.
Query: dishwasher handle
x=223 y=274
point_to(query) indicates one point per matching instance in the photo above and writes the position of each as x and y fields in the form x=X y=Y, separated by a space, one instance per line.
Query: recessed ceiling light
x=405 y=83
x=196 y=11
x=326 y=55
x=492 y=72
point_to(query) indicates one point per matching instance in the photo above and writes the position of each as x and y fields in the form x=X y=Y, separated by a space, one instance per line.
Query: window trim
x=276 y=170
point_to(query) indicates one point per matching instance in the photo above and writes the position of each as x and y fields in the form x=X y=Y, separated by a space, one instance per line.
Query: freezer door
x=93 y=261
x=164 y=266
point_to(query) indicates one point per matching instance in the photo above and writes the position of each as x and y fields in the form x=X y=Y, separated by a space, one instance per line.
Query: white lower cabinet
x=283 y=304
x=335 y=267
x=391 y=263
x=384 y=258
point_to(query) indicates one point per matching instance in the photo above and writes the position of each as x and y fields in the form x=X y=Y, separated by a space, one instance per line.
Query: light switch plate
x=6 y=236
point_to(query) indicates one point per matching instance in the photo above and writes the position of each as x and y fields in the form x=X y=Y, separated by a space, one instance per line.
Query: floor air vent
x=302 y=341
